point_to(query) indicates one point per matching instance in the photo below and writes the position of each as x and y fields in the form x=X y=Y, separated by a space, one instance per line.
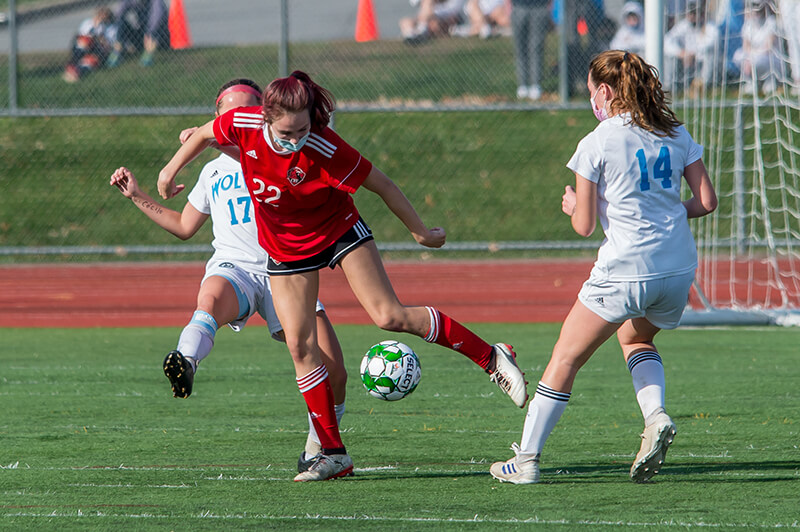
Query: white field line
x=476 y=519
x=134 y=486
x=246 y=471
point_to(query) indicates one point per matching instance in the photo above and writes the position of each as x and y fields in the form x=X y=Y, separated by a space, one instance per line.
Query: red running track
x=163 y=294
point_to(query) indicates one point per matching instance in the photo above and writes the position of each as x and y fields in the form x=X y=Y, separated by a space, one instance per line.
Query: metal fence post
x=283 y=51
x=12 y=57
x=563 y=61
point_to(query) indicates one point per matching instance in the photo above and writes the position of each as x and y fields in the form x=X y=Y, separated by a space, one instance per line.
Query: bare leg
x=371 y=286
x=218 y=297
x=295 y=298
x=582 y=333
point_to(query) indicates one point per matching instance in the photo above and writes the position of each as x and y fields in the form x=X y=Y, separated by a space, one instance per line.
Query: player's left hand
x=186 y=133
x=433 y=238
x=166 y=185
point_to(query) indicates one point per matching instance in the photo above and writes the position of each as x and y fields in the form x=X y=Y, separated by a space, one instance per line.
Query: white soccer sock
x=544 y=411
x=197 y=338
x=312 y=432
x=647 y=372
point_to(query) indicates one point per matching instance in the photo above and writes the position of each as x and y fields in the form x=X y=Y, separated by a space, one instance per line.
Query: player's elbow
x=582 y=227
x=710 y=204
x=183 y=233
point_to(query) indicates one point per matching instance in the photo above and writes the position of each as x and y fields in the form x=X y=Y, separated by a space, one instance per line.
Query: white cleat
x=522 y=469
x=656 y=439
x=326 y=467
x=507 y=374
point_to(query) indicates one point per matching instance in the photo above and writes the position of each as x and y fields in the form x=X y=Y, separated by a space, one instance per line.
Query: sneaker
x=180 y=373
x=517 y=470
x=113 y=59
x=326 y=467
x=304 y=465
x=146 y=59
x=507 y=375
x=534 y=92
x=461 y=30
x=417 y=38
x=656 y=439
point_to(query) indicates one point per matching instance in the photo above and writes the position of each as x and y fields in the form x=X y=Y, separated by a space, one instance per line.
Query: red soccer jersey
x=302 y=200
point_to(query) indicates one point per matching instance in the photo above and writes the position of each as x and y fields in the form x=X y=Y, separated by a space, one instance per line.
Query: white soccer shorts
x=661 y=301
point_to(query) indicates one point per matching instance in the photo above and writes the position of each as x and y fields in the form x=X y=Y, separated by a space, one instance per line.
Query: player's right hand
x=125 y=181
x=434 y=238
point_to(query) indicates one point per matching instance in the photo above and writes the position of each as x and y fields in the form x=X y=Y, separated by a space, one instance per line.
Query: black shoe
x=303 y=464
x=180 y=373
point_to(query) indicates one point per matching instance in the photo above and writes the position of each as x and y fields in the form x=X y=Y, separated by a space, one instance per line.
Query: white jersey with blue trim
x=639 y=177
x=221 y=192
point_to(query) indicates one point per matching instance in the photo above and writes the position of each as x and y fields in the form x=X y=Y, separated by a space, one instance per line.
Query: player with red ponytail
x=301 y=176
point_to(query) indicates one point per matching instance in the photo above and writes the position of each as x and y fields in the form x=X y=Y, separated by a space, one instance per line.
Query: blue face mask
x=289 y=145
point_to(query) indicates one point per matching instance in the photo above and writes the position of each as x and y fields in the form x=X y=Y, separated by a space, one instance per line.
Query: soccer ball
x=390 y=370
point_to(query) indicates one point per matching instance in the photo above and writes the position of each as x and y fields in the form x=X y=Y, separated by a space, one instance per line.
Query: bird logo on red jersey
x=295 y=176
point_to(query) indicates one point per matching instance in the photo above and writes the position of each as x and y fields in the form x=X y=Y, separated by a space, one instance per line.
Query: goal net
x=739 y=96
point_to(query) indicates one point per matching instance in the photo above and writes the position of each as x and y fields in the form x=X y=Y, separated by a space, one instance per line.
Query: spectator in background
x=630 y=35
x=434 y=18
x=675 y=10
x=530 y=23
x=759 y=58
x=487 y=18
x=789 y=20
x=143 y=26
x=689 y=58
x=730 y=19
x=91 y=45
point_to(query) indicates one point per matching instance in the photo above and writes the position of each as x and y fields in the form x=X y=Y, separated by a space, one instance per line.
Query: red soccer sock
x=447 y=332
x=317 y=392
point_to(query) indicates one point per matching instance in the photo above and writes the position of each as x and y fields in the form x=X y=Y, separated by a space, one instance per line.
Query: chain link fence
x=448 y=108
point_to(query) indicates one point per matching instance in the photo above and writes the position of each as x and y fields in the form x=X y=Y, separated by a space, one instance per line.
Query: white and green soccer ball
x=390 y=370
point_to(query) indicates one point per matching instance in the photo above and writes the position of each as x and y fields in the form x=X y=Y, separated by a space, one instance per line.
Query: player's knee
x=390 y=321
x=298 y=347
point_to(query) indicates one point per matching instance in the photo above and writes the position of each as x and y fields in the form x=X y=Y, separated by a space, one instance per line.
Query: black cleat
x=180 y=373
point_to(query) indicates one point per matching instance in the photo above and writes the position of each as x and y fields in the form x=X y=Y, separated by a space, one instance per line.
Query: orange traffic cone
x=179 y=36
x=366 y=25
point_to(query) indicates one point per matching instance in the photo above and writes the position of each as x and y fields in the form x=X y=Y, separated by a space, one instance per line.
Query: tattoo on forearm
x=149 y=205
